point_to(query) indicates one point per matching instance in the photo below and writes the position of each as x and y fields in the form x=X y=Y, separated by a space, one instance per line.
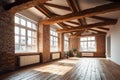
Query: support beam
x=44 y=10
x=72 y=22
x=48 y=13
x=102 y=18
x=22 y=5
x=85 y=13
x=57 y=6
x=87 y=26
x=97 y=31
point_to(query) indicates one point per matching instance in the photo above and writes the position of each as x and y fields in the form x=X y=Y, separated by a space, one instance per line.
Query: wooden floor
x=69 y=69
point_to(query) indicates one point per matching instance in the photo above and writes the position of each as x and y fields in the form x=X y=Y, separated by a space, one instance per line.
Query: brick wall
x=44 y=42
x=7 y=57
x=61 y=44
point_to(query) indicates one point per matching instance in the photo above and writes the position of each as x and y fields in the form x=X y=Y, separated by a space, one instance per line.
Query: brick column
x=44 y=42
x=7 y=57
x=61 y=44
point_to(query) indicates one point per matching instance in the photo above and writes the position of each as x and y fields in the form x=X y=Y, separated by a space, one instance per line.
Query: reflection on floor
x=69 y=69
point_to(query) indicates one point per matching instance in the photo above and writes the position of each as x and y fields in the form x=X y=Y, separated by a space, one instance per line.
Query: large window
x=88 y=44
x=53 y=40
x=25 y=34
x=66 y=43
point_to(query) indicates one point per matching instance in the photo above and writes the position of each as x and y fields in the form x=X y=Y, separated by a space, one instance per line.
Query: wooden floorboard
x=68 y=69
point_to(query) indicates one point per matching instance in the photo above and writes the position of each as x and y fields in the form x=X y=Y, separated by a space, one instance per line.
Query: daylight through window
x=53 y=41
x=87 y=44
x=25 y=34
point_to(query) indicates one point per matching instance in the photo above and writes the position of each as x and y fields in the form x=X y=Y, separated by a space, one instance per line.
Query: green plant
x=67 y=53
x=74 y=51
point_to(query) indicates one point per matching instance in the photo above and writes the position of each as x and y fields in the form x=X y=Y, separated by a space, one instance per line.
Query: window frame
x=87 y=43
x=54 y=40
x=66 y=42
x=27 y=45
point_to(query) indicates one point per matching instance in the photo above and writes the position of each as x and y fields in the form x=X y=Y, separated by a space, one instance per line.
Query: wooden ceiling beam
x=72 y=22
x=58 y=6
x=87 y=26
x=48 y=13
x=107 y=29
x=73 y=4
x=97 y=31
x=44 y=10
x=102 y=18
x=85 y=13
x=22 y=5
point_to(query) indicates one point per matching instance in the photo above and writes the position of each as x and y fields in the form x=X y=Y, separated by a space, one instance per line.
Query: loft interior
x=60 y=38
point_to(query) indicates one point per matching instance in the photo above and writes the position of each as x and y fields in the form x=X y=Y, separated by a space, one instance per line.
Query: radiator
x=27 y=60
x=55 y=56
x=87 y=54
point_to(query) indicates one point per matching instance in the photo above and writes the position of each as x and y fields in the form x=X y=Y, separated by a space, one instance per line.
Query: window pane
x=17 y=48
x=16 y=30
x=34 y=42
x=34 y=26
x=23 y=22
x=23 y=40
x=22 y=47
x=16 y=39
x=17 y=19
x=29 y=41
x=29 y=33
x=23 y=32
x=29 y=24
x=92 y=38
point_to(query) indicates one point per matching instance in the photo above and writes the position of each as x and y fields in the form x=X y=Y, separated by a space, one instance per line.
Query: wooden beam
x=107 y=29
x=22 y=5
x=48 y=13
x=97 y=31
x=102 y=18
x=44 y=10
x=72 y=22
x=87 y=26
x=58 y=6
x=93 y=34
x=85 y=13
x=74 y=7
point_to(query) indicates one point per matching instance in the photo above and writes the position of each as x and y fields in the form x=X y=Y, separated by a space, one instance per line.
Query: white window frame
x=87 y=42
x=66 y=43
x=53 y=40
x=33 y=38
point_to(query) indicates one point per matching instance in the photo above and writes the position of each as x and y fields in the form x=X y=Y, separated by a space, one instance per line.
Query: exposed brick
x=7 y=57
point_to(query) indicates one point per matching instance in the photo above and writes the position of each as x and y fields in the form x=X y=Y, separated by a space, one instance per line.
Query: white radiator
x=55 y=56
x=87 y=54
x=27 y=60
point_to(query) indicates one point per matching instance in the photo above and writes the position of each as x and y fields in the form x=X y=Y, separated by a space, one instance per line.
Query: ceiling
x=53 y=8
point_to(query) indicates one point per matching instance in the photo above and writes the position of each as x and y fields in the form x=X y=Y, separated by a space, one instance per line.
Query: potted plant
x=67 y=53
x=74 y=51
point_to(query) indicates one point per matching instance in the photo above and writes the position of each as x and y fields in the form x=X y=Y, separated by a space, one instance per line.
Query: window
x=25 y=34
x=66 y=43
x=53 y=41
x=88 y=44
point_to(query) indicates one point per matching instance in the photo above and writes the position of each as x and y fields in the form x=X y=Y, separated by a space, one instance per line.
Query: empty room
x=59 y=40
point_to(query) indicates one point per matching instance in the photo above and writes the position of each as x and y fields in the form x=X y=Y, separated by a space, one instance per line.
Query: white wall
x=115 y=42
